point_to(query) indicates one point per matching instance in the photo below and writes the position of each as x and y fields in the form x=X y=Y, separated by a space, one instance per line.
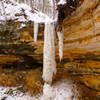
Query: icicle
x=35 y=31
x=49 y=64
x=60 y=38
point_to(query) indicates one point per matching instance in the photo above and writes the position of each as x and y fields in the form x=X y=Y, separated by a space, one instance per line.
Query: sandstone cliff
x=82 y=42
x=81 y=59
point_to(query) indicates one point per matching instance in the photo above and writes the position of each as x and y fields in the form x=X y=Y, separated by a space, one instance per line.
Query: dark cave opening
x=66 y=10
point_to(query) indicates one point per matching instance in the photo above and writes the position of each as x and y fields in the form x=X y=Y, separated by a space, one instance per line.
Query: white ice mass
x=49 y=64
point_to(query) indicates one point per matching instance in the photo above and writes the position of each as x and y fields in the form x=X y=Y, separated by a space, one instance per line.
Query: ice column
x=49 y=63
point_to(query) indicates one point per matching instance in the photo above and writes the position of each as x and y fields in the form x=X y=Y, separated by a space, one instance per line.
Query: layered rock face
x=82 y=43
x=82 y=28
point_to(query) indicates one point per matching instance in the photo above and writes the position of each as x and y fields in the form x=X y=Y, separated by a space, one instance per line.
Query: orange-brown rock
x=4 y=59
x=82 y=43
x=82 y=28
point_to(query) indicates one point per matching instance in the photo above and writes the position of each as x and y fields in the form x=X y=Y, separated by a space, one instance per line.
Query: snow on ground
x=63 y=90
x=11 y=93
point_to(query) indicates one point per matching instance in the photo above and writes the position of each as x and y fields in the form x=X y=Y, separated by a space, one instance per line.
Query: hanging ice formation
x=36 y=26
x=48 y=7
x=49 y=64
x=60 y=38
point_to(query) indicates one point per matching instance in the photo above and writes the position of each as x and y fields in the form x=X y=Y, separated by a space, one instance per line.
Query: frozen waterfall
x=49 y=63
x=47 y=8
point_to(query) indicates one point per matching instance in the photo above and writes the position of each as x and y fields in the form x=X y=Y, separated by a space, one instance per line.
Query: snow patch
x=62 y=90
x=10 y=93
x=21 y=12
x=22 y=26
x=62 y=2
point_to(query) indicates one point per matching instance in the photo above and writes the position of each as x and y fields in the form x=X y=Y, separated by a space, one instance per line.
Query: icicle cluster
x=60 y=38
x=36 y=26
x=49 y=64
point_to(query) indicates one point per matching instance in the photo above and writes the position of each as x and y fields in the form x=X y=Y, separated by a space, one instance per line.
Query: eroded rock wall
x=82 y=43
x=82 y=28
